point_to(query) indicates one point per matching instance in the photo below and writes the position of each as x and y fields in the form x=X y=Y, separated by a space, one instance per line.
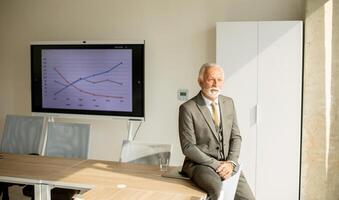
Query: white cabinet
x=263 y=74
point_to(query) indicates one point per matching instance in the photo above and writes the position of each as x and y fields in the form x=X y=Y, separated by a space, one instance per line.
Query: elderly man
x=210 y=137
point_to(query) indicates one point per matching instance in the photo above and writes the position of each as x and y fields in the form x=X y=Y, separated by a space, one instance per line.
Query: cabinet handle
x=254 y=115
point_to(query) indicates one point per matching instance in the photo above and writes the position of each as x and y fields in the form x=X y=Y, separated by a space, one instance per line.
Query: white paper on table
x=229 y=186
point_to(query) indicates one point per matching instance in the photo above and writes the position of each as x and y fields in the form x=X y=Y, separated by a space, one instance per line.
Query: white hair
x=206 y=66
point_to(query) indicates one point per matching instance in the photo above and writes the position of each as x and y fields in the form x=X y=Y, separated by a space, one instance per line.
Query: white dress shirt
x=209 y=106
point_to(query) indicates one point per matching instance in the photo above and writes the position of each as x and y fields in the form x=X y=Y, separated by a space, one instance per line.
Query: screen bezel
x=138 y=65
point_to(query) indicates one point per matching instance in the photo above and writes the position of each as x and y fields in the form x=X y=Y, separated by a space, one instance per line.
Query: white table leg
x=42 y=192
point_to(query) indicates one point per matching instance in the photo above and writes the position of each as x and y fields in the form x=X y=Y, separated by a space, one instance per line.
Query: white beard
x=212 y=92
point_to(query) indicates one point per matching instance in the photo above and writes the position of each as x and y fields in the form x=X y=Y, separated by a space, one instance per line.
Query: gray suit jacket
x=198 y=137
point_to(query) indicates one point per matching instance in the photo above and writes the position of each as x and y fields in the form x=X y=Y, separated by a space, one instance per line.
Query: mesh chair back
x=144 y=153
x=23 y=134
x=68 y=140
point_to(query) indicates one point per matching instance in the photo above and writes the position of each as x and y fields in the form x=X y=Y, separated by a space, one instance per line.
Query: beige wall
x=320 y=151
x=179 y=34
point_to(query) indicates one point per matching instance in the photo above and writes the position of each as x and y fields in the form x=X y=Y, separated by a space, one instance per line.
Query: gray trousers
x=208 y=180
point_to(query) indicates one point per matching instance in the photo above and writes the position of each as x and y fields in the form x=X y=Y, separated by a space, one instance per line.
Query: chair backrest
x=229 y=186
x=144 y=153
x=23 y=134
x=70 y=140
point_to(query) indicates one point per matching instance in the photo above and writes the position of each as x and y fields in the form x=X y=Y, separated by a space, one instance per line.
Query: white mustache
x=214 y=89
x=213 y=92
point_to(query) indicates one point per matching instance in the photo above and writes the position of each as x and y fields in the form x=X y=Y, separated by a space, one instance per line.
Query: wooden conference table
x=102 y=179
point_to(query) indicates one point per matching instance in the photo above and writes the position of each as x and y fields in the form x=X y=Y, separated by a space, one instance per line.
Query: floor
x=15 y=193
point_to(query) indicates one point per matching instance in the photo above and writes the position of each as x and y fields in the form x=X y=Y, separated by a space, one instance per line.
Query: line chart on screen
x=87 y=78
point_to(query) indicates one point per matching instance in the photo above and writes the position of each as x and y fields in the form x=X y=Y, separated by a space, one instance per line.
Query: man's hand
x=225 y=170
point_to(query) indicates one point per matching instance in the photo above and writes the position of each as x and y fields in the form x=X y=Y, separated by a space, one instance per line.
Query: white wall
x=179 y=34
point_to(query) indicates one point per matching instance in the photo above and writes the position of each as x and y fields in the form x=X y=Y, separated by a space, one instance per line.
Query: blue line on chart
x=86 y=77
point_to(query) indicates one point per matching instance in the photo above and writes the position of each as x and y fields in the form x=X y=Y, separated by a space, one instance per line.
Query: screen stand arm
x=131 y=135
x=43 y=141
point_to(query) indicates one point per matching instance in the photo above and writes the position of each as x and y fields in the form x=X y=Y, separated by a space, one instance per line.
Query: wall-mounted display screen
x=95 y=79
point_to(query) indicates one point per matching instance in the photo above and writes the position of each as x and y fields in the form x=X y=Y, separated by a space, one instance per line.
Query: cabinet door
x=279 y=111
x=263 y=65
x=237 y=54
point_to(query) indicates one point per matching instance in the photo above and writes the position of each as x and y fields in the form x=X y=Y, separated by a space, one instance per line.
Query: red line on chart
x=86 y=92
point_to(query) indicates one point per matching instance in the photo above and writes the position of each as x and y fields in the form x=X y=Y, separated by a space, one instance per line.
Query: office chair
x=144 y=153
x=22 y=135
x=68 y=140
x=229 y=186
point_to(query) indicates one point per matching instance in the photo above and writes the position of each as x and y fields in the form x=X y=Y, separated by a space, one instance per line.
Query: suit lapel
x=206 y=113
x=225 y=112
